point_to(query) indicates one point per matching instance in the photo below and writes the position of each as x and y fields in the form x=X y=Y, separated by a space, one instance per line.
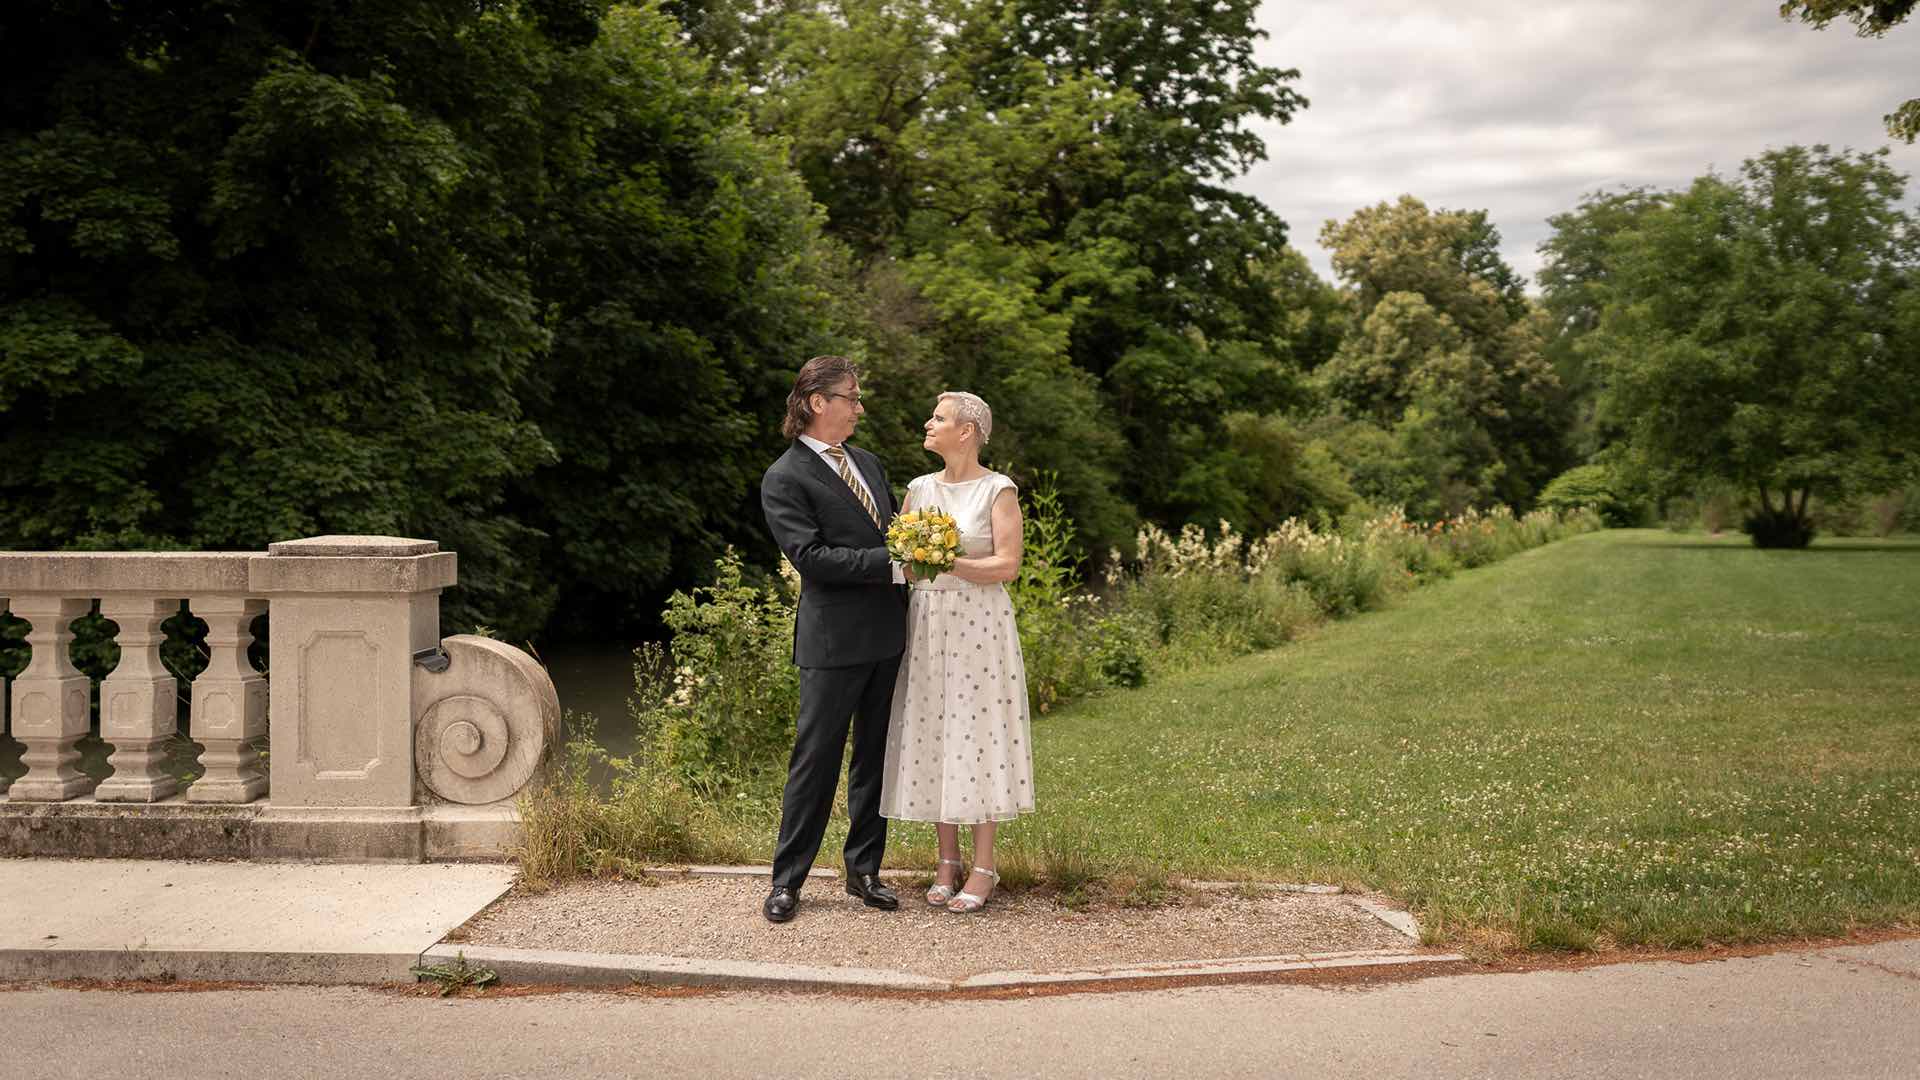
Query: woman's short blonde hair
x=970 y=409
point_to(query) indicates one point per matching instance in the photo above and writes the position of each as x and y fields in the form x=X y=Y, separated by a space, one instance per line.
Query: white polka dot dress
x=959 y=748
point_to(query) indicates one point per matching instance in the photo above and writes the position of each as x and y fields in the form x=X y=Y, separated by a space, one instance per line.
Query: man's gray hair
x=971 y=409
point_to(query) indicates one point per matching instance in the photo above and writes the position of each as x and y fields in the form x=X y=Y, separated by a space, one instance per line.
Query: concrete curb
x=208 y=965
x=1402 y=921
x=548 y=968
x=552 y=968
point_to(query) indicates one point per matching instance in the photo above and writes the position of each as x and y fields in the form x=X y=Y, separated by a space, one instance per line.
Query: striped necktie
x=839 y=457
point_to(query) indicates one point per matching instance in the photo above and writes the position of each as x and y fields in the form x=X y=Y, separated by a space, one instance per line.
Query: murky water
x=596 y=679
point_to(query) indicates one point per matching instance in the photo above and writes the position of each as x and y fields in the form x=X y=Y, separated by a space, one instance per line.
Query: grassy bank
x=1623 y=738
x=1626 y=738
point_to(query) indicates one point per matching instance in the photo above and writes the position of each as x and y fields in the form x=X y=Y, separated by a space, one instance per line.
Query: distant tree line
x=531 y=277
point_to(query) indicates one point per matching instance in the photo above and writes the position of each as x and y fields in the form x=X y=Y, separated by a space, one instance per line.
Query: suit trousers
x=830 y=698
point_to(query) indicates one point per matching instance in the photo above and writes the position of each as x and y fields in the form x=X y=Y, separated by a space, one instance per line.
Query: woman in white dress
x=959 y=748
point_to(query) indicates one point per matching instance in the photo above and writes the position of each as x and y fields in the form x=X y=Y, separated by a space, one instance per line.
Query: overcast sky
x=1520 y=108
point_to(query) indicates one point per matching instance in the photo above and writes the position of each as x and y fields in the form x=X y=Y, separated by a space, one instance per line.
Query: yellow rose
x=919 y=554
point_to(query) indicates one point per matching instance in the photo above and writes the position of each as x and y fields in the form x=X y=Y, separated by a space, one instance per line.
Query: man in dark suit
x=827 y=505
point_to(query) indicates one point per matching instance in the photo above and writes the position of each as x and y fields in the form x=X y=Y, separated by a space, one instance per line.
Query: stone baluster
x=229 y=703
x=50 y=703
x=6 y=696
x=139 y=702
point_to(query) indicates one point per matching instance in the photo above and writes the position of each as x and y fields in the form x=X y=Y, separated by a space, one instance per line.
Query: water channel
x=595 y=678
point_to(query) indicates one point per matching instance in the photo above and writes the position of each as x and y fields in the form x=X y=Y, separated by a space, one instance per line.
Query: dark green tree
x=262 y=276
x=516 y=277
x=1573 y=280
x=1764 y=330
x=679 y=266
x=1034 y=199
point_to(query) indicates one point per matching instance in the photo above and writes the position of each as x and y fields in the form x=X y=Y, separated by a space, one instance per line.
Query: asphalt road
x=1831 y=1013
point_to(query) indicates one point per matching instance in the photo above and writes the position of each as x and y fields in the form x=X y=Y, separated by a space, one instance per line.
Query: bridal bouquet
x=925 y=541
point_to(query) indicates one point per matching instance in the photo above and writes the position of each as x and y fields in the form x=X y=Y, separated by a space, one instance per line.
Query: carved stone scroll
x=484 y=724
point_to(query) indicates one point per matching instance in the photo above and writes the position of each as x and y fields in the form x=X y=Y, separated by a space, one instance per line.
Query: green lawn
x=1626 y=738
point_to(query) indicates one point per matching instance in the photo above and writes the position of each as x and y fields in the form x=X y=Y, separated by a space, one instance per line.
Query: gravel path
x=719 y=918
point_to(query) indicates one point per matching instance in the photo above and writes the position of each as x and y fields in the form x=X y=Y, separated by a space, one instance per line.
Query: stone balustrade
x=381 y=734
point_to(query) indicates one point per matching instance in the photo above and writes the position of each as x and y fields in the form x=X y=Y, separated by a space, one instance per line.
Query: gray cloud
x=1522 y=108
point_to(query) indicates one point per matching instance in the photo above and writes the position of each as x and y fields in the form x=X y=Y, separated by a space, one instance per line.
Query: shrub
x=1119 y=642
x=1594 y=486
x=1717 y=510
x=1341 y=575
x=718 y=708
x=1887 y=511
x=1045 y=595
x=1778 y=529
x=1201 y=599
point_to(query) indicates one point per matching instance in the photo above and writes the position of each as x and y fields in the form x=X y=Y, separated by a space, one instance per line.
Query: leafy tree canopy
x=483 y=272
x=1871 y=18
x=1445 y=351
x=1764 y=329
x=1573 y=280
x=1036 y=191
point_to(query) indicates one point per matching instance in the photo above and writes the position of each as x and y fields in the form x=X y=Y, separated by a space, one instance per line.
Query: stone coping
x=185 y=574
x=358 y=546
x=94 y=573
x=273 y=575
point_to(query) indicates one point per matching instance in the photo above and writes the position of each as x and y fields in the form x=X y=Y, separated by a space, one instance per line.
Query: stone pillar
x=50 y=703
x=349 y=612
x=229 y=703
x=138 y=702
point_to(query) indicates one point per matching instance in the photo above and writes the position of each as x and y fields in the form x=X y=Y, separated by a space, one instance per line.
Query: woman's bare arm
x=1004 y=563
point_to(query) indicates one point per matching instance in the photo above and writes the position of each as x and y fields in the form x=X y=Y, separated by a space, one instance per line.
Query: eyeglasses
x=855 y=397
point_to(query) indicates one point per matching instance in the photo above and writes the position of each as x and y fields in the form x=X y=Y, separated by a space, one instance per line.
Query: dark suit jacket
x=850 y=610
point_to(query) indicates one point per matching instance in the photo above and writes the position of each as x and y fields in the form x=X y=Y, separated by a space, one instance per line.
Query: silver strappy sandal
x=940 y=894
x=967 y=903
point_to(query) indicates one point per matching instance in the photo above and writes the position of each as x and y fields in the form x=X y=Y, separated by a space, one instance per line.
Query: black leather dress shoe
x=781 y=904
x=871 y=892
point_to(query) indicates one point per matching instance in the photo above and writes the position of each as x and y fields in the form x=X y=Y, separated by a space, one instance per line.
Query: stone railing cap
x=362 y=547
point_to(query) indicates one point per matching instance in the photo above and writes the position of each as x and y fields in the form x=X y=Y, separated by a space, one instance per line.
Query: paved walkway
x=1830 y=1013
x=110 y=918
x=1834 y=1012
